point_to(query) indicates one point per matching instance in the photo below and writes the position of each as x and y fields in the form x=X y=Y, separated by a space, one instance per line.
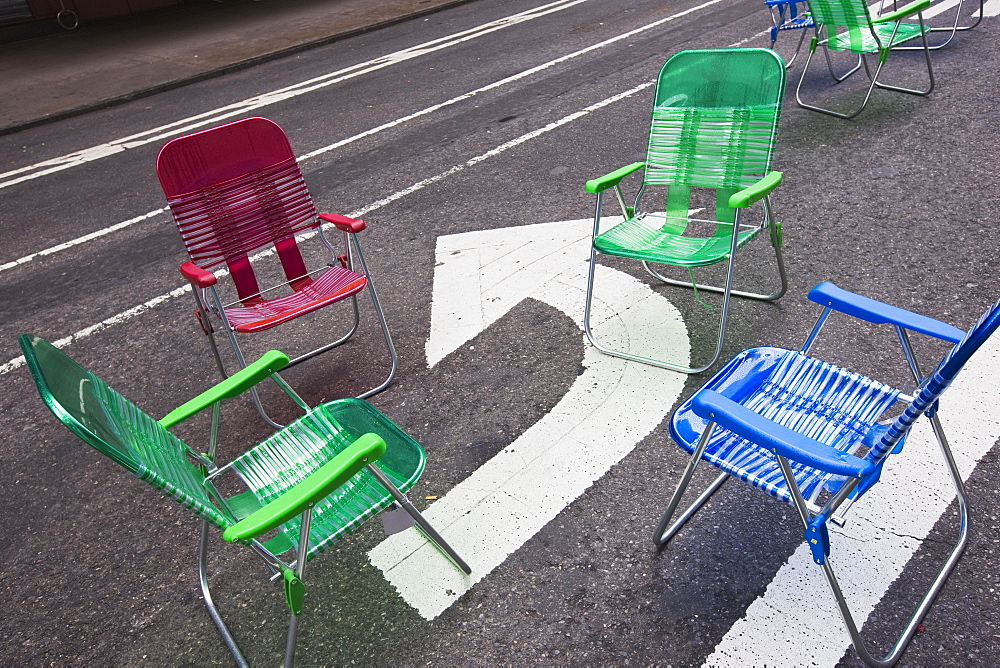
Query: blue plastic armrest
x=781 y=440
x=878 y=313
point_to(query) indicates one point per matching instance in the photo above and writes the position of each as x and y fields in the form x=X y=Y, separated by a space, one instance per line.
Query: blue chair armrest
x=777 y=438
x=879 y=313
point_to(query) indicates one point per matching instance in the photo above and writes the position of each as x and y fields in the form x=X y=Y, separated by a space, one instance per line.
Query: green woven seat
x=712 y=132
x=848 y=25
x=310 y=483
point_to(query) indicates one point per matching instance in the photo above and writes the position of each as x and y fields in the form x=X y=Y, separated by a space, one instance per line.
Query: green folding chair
x=307 y=486
x=714 y=123
x=848 y=25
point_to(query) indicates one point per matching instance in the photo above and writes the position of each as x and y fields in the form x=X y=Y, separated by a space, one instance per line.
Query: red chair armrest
x=197 y=276
x=343 y=223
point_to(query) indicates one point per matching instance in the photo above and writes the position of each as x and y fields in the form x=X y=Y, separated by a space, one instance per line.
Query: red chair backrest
x=236 y=189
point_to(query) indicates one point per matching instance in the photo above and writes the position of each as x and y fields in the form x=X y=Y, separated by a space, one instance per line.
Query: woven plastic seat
x=817 y=436
x=314 y=481
x=236 y=190
x=847 y=25
x=713 y=126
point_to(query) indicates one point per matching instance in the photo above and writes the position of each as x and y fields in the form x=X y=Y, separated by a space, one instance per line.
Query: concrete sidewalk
x=69 y=72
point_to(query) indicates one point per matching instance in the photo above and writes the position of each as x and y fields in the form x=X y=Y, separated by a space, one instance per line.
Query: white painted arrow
x=609 y=408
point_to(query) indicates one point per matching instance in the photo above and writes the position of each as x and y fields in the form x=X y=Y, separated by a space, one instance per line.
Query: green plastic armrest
x=757 y=191
x=270 y=363
x=903 y=12
x=612 y=179
x=309 y=491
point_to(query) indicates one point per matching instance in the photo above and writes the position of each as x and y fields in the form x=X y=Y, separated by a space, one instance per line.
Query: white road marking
x=384 y=126
x=884 y=531
x=126 y=315
x=213 y=116
x=991 y=8
x=612 y=406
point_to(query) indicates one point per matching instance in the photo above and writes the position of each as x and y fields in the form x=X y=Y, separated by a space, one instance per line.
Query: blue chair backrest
x=937 y=382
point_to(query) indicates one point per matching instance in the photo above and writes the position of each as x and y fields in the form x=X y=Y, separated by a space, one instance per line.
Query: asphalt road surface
x=456 y=124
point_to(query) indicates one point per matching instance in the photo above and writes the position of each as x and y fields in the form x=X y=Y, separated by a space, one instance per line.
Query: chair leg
x=206 y=594
x=665 y=530
x=830 y=112
x=912 y=91
x=382 y=322
x=421 y=521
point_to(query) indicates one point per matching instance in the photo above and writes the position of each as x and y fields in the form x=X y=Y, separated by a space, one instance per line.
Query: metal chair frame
x=822 y=38
x=834 y=510
x=727 y=290
x=951 y=30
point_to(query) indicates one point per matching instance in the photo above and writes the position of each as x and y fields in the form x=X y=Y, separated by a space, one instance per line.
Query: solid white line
x=991 y=8
x=136 y=310
x=394 y=123
x=197 y=121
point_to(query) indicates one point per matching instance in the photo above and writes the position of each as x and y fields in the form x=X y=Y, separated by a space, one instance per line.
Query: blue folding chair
x=789 y=15
x=808 y=432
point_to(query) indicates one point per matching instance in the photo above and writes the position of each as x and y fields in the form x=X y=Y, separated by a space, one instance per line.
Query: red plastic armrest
x=197 y=276
x=343 y=223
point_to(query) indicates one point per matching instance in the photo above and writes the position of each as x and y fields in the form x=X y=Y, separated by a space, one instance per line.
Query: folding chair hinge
x=883 y=55
x=779 y=239
x=932 y=411
x=294 y=591
x=343 y=260
x=812 y=44
x=818 y=539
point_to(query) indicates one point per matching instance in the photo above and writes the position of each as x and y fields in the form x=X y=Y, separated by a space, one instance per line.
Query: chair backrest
x=852 y=15
x=714 y=123
x=117 y=428
x=937 y=382
x=236 y=189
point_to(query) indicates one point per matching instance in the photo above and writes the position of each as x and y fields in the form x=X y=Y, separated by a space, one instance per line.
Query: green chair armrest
x=270 y=363
x=757 y=191
x=309 y=491
x=612 y=179
x=903 y=12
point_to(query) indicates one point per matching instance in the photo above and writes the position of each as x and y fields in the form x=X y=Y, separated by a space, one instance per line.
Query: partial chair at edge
x=714 y=124
x=815 y=435
x=237 y=195
x=847 y=25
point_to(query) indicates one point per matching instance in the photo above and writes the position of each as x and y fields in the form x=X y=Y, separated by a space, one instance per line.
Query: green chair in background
x=305 y=487
x=714 y=124
x=847 y=25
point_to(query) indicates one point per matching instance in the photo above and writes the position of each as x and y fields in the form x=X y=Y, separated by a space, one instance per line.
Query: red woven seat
x=236 y=192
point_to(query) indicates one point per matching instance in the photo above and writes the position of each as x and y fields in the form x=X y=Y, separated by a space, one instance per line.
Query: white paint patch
x=609 y=408
x=242 y=107
x=883 y=533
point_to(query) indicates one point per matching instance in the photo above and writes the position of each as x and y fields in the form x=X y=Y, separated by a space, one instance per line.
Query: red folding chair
x=237 y=194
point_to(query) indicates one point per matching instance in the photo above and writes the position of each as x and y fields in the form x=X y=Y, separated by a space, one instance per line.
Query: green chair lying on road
x=847 y=25
x=714 y=124
x=308 y=485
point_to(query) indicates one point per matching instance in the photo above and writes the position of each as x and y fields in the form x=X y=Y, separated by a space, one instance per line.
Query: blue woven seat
x=827 y=403
x=816 y=436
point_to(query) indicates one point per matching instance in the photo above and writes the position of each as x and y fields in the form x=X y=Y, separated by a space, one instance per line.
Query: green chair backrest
x=116 y=428
x=851 y=14
x=714 y=124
